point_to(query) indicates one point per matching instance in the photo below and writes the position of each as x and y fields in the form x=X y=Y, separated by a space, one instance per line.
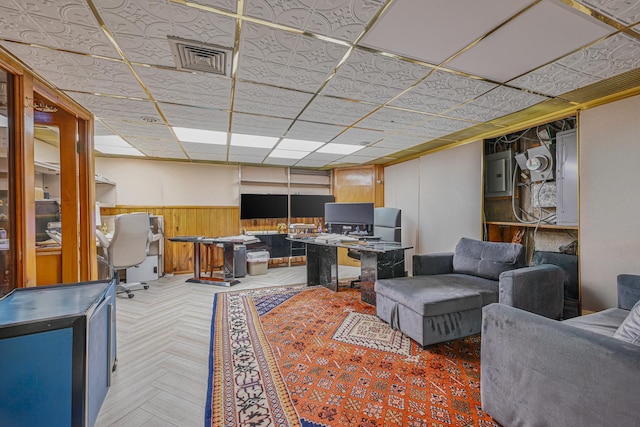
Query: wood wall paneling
x=209 y=221
x=358 y=184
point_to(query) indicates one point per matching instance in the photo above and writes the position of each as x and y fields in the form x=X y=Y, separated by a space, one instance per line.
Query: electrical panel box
x=567 y=177
x=498 y=177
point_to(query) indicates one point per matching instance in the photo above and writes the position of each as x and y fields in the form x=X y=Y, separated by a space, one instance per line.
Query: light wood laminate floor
x=163 y=348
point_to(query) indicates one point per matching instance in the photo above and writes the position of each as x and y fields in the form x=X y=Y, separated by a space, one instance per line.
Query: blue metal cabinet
x=57 y=346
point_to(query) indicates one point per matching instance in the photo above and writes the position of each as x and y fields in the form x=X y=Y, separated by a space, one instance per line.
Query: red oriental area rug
x=300 y=356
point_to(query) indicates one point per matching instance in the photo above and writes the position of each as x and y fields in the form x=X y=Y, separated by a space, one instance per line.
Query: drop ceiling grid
x=293 y=66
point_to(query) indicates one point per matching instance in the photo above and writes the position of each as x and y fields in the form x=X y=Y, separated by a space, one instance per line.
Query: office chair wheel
x=115 y=365
x=130 y=295
x=146 y=286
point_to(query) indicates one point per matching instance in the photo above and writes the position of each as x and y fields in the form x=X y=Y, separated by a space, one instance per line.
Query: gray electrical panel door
x=567 y=177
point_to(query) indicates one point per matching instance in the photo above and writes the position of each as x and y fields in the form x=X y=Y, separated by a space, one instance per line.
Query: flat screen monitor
x=348 y=213
x=46 y=211
x=309 y=205
x=254 y=206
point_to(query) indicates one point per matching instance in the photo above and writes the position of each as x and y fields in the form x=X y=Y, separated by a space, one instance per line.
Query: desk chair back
x=386 y=224
x=128 y=246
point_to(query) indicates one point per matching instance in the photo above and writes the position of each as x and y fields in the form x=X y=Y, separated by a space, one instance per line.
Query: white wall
x=609 y=199
x=161 y=183
x=440 y=195
x=451 y=197
x=402 y=191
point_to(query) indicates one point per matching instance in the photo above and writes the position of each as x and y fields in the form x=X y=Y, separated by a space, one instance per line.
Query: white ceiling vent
x=191 y=55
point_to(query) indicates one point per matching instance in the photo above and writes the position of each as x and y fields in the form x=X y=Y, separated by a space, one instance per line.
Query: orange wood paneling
x=209 y=221
x=49 y=266
x=358 y=184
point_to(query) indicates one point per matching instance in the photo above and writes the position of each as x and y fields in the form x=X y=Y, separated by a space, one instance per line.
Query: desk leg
x=375 y=266
x=368 y=276
x=227 y=278
x=322 y=266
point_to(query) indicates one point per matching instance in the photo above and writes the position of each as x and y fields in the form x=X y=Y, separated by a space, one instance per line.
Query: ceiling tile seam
x=118 y=134
x=112 y=40
x=234 y=71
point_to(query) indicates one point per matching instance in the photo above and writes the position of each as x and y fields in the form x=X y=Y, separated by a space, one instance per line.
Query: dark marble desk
x=228 y=277
x=378 y=260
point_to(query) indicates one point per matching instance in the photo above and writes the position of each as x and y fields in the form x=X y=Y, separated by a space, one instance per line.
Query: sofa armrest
x=426 y=265
x=537 y=371
x=538 y=289
x=628 y=290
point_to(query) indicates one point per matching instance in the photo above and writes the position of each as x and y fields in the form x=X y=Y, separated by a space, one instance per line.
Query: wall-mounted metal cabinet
x=567 y=177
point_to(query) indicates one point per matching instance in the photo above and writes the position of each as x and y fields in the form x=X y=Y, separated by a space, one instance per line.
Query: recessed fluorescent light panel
x=288 y=154
x=299 y=145
x=242 y=140
x=200 y=136
x=110 y=141
x=339 y=148
x=113 y=144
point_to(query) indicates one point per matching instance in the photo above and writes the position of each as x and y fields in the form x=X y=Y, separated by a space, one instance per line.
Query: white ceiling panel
x=553 y=80
x=415 y=28
x=342 y=19
x=105 y=107
x=326 y=109
x=195 y=117
x=307 y=163
x=400 y=142
x=544 y=33
x=249 y=151
x=72 y=27
x=230 y=5
x=143 y=131
x=241 y=158
x=314 y=131
x=261 y=99
x=259 y=125
x=280 y=161
x=359 y=137
x=73 y=71
x=608 y=58
x=193 y=148
x=391 y=119
x=197 y=89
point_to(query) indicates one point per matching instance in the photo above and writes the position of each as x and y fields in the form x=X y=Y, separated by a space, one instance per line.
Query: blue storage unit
x=58 y=349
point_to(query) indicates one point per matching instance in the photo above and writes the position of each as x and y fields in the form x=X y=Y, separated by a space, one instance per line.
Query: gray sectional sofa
x=444 y=298
x=580 y=372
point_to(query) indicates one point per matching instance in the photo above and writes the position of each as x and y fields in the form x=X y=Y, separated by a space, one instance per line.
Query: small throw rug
x=301 y=356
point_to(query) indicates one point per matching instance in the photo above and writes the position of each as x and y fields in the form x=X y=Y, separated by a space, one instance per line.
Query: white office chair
x=128 y=246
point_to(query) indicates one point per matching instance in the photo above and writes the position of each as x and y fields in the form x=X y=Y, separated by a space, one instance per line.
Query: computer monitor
x=46 y=211
x=349 y=214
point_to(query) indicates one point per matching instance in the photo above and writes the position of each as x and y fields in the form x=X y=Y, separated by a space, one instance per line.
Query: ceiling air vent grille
x=191 y=55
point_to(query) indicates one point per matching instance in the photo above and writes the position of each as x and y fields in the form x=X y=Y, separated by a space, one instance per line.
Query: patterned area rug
x=300 y=356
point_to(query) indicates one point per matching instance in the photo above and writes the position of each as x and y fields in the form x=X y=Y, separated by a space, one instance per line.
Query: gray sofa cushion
x=604 y=322
x=439 y=294
x=629 y=330
x=487 y=259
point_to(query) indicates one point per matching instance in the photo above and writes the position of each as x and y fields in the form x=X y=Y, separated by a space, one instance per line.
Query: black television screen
x=348 y=213
x=309 y=206
x=254 y=206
